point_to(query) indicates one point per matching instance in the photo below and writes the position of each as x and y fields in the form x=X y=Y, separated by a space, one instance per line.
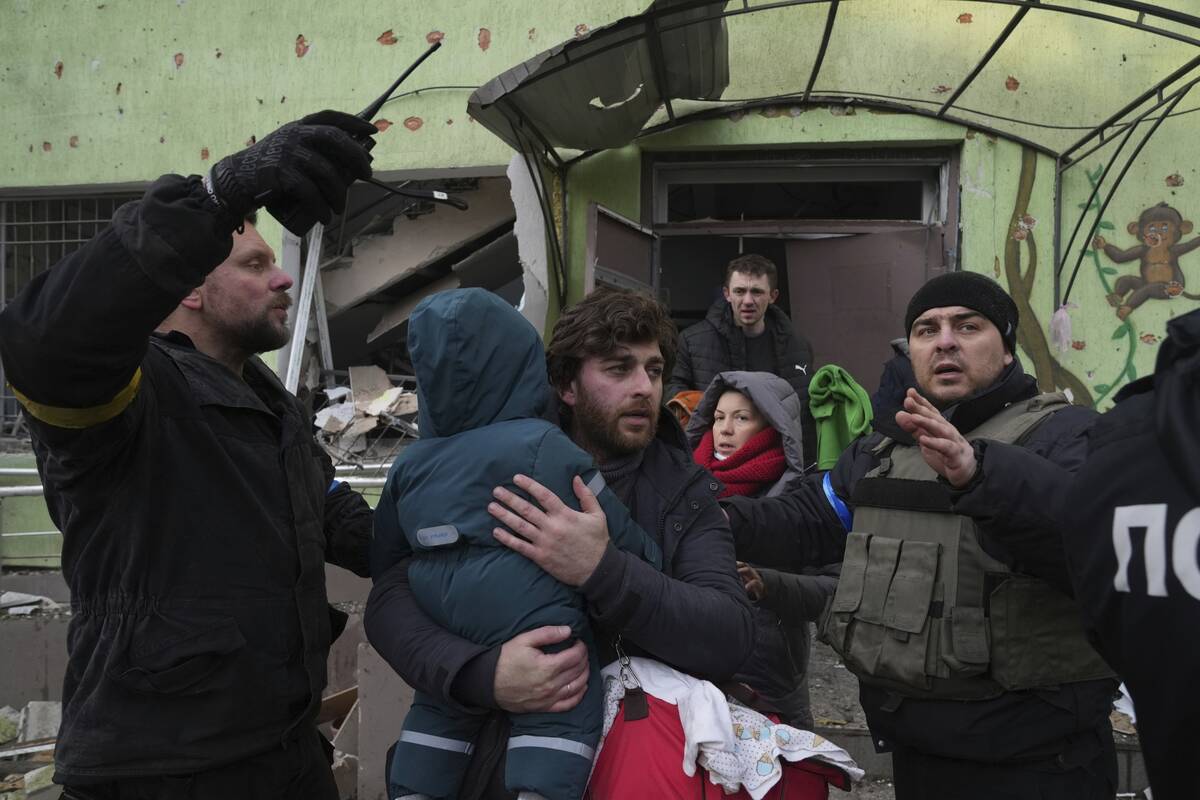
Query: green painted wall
x=151 y=86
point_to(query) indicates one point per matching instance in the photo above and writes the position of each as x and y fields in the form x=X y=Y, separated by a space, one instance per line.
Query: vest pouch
x=904 y=651
x=888 y=635
x=1037 y=637
x=839 y=610
x=965 y=641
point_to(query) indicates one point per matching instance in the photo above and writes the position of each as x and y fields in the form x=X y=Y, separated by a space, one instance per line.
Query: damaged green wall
x=1007 y=218
x=119 y=91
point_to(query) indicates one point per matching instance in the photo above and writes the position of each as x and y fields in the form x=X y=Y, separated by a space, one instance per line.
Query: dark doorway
x=849 y=293
x=693 y=271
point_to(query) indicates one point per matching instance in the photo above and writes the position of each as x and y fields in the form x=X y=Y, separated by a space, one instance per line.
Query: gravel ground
x=867 y=790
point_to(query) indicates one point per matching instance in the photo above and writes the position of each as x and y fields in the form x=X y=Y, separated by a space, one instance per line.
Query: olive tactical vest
x=923 y=611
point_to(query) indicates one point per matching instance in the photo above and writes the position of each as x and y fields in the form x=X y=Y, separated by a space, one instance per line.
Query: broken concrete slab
x=17 y=603
x=381 y=261
x=39 y=720
x=10 y=724
x=346 y=738
x=384 y=699
x=335 y=418
x=39 y=784
x=33 y=659
x=398 y=313
x=367 y=383
x=383 y=403
x=405 y=404
x=345 y=775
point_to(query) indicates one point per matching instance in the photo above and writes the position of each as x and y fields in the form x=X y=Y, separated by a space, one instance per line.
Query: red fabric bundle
x=655 y=745
x=751 y=469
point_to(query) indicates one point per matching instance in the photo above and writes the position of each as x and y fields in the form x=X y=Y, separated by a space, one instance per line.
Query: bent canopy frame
x=685 y=61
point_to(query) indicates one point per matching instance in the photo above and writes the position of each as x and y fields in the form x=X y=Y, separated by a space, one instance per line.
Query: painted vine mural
x=1030 y=334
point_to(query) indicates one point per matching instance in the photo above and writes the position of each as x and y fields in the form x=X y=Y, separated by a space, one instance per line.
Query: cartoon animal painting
x=1161 y=230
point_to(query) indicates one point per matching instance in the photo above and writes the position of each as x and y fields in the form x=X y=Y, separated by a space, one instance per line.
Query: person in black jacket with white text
x=197 y=511
x=1133 y=549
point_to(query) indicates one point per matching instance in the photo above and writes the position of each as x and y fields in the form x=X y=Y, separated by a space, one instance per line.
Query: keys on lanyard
x=635 y=704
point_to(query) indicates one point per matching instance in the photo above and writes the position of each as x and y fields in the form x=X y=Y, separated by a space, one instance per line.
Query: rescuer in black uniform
x=1133 y=555
x=197 y=511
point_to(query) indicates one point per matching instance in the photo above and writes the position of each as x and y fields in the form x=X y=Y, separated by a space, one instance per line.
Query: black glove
x=300 y=172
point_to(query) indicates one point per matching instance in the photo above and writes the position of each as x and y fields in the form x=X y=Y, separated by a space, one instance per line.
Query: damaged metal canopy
x=599 y=90
x=1025 y=69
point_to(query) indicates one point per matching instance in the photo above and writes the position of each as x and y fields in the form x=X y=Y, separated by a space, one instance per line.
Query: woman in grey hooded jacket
x=762 y=464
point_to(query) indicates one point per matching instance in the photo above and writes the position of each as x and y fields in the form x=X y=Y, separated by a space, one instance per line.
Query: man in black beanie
x=954 y=608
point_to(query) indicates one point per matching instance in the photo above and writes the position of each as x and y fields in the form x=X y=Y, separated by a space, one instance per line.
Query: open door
x=849 y=293
x=619 y=252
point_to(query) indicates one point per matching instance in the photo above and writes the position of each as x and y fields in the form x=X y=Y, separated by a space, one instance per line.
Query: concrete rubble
x=370 y=404
x=20 y=603
x=27 y=751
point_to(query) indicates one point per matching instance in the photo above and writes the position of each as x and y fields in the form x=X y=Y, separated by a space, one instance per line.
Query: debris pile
x=19 y=603
x=27 y=750
x=358 y=417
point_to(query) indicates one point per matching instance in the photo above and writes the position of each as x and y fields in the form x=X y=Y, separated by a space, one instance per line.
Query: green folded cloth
x=841 y=409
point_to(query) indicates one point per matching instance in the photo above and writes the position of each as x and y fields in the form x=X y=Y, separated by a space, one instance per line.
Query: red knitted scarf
x=752 y=468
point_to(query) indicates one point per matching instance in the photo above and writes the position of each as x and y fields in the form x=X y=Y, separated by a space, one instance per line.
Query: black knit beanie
x=969 y=290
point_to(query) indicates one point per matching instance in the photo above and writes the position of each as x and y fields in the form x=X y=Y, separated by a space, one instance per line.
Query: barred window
x=34 y=235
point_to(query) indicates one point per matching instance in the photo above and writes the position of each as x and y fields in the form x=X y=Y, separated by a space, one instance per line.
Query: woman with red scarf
x=741 y=448
x=746 y=432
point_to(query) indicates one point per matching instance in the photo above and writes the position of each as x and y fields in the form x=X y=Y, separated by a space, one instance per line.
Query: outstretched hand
x=564 y=542
x=945 y=449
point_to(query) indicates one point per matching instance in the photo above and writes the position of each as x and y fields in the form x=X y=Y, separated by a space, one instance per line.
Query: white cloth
x=739 y=747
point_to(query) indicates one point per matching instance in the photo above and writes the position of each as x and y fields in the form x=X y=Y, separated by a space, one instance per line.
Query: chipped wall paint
x=147 y=87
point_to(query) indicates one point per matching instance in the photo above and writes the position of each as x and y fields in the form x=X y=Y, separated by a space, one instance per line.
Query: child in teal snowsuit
x=482 y=387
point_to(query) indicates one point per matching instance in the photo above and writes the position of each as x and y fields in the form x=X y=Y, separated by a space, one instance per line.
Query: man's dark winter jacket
x=1014 y=498
x=716 y=344
x=1133 y=554
x=197 y=512
x=693 y=615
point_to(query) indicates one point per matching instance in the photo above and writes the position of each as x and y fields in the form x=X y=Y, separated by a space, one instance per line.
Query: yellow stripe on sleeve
x=78 y=418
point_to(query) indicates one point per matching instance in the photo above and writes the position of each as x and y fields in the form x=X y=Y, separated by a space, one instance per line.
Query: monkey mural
x=1160 y=229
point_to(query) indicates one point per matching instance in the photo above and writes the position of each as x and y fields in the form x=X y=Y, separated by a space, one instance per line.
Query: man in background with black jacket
x=1133 y=549
x=953 y=607
x=744 y=330
x=197 y=511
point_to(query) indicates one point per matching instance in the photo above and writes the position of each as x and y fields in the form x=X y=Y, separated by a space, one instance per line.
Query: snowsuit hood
x=477 y=362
